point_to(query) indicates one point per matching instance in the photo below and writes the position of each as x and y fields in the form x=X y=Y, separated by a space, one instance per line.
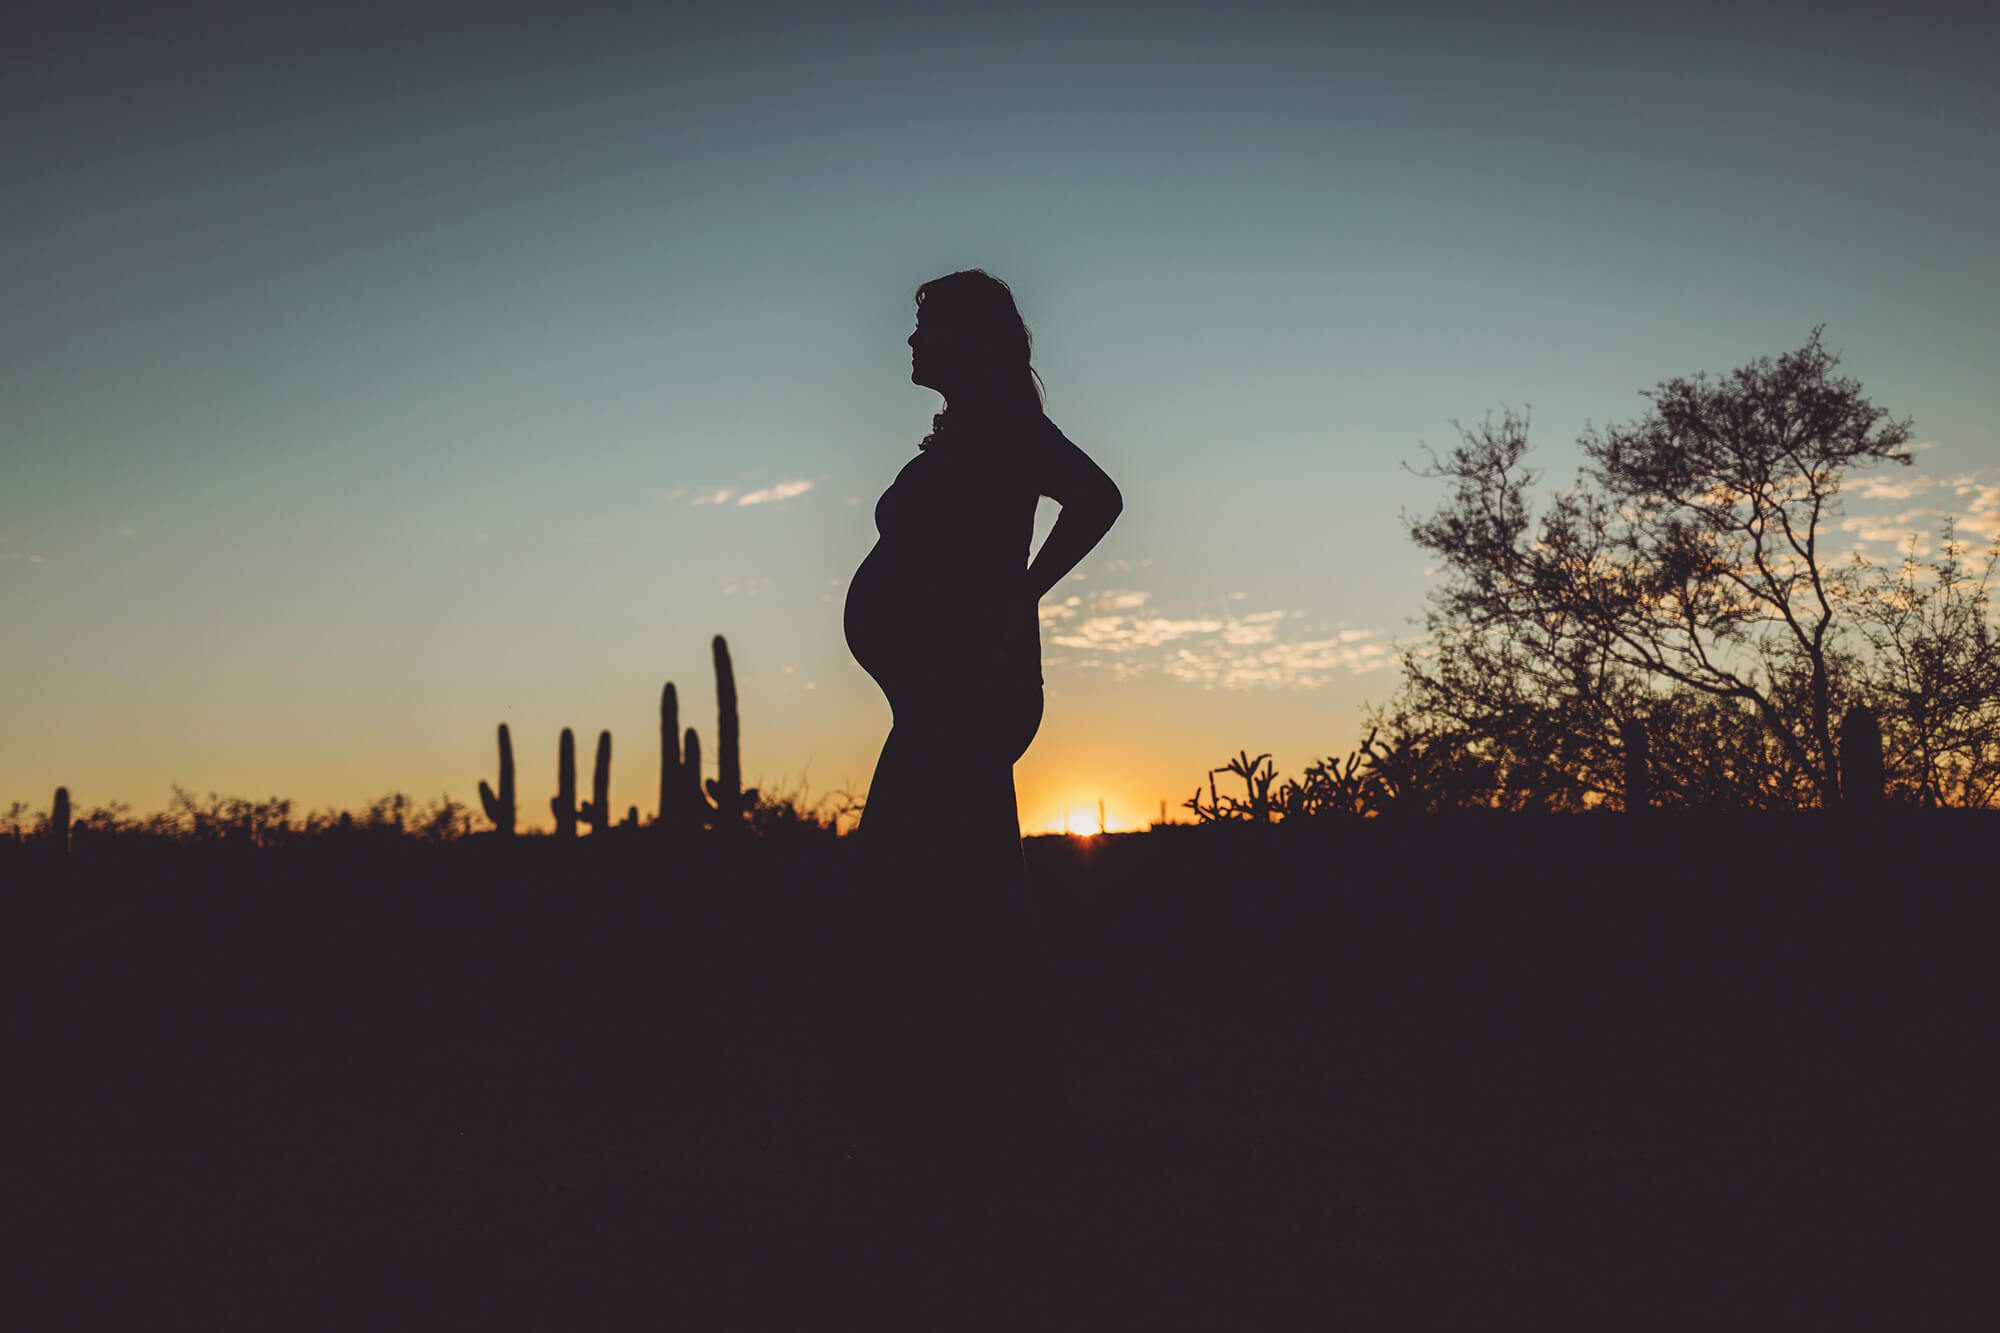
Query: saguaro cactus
x=500 y=805
x=59 y=820
x=1860 y=758
x=563 y=803
x=682 y=806
x=1638 y=773
x=678 y=777
x=726 y=787
x=597 y=813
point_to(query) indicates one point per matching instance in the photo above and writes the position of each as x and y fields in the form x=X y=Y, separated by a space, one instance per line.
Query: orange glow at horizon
x=1078 y=816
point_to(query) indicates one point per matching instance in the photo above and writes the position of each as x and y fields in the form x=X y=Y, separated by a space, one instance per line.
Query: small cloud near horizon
x=784 y=490
x=722 y=495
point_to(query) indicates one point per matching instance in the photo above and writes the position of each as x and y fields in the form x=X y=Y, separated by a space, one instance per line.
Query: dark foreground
x=1591 y=1073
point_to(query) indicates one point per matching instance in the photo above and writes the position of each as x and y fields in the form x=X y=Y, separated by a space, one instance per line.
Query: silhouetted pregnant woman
x=955 y=1042
x=943 y=613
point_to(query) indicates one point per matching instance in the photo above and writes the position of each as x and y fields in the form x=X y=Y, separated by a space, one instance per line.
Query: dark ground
x=1597 y=1073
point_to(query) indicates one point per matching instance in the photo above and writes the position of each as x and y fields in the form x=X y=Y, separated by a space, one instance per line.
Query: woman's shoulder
x=1026 y=438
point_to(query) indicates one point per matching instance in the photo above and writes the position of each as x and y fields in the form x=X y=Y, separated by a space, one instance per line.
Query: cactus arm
x=597 y=811
x=499 y=805
x=697 y=804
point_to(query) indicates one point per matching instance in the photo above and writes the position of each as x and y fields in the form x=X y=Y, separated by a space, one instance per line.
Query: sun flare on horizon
x=1085 y=819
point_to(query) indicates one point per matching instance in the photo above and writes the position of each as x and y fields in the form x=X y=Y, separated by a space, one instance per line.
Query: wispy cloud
x=722 y=495
x=1897 y=527
x=1121 y=634
x=1981 y=512
x=1120 y=631
x=1226 y=650
x=1969 y=499
x=1304 y=663
x=1067 y=609
x=784 y=490
x=1893 y=488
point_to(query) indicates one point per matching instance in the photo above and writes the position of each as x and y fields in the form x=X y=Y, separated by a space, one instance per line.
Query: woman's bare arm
x=1090 y=505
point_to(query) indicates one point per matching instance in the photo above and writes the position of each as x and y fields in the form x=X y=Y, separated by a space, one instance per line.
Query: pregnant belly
x=877 y=617
x=910 y=629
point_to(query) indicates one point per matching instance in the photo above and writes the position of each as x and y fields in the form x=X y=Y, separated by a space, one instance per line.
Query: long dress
x=941 y=615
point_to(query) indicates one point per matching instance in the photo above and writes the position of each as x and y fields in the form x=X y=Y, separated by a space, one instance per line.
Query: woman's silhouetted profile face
x=971 y=345
x=929 y=352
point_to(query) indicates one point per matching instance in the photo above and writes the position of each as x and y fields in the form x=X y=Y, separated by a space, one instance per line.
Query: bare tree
x=1686 y=562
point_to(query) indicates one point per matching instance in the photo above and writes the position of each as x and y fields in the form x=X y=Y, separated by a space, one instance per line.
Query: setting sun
x=1088 y=817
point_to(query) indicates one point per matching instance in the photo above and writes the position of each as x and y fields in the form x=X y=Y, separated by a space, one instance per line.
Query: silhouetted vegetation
x=1683 y=586
x=563 y=804
x=683 y=809
x=394 y=818
x=499 y=806
x=1672 y=630
x=596 y=812
x=726 y=788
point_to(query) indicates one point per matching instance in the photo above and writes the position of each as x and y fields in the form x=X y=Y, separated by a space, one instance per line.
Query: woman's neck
x=986 y=405
x=973 y=406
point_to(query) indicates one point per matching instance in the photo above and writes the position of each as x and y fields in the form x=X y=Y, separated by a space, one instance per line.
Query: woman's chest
x=955 y=501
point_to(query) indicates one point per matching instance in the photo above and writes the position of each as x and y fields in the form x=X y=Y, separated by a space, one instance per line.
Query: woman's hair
x=979 y=310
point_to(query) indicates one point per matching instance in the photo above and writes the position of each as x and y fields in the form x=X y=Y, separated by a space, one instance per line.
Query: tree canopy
x=1680 y=598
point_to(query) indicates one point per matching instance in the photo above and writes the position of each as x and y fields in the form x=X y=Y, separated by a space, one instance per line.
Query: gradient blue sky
x=360 y=373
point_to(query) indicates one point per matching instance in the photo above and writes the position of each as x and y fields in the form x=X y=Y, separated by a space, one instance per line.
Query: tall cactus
x=1860 y=758
x=500 y=805
x=59 y=820
x=597 y=813
x=671 y=781
x=726 y=787
x=563 y=803
x=1638 y=770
